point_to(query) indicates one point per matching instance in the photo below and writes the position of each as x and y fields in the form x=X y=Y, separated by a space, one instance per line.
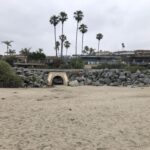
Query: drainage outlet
x=57 y=78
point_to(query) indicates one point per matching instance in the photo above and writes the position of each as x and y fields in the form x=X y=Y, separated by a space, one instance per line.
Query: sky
x=26 y=22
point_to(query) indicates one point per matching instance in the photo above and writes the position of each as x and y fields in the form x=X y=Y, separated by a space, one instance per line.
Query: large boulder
x=122 y=78
x=74 y=83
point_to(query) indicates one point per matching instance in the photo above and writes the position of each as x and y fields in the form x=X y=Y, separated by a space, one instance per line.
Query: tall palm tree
x=62 y=39
x=67 y=45
x=83 y=29
x=54 y=20
x=8 y=44
x=57 y=46
x=99 y=36
x=78 y=15
x=62 y=17
x=25 y=52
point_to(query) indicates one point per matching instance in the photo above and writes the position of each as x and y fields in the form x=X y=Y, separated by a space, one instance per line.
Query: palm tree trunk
x=7 y=49
x=66 y=51
x=82 y=41
x=98 y=47
x=76 y=40
x=55 y=39
x=62 y=41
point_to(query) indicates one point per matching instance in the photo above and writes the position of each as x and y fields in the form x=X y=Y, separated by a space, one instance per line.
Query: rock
x=112 y=77
x=96 y=83
x=74 y=83
x=122 y=77
x=146 y=81
x=138 y=72
x=107 y=81
x=142 y=75
x=114 y=84
x=35 y=84
x=88 y=82
x=80 y=79
x=81 y=83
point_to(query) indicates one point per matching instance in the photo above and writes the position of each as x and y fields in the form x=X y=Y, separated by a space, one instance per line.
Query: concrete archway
x=59 y=76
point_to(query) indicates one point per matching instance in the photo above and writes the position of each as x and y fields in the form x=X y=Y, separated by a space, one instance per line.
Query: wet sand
x=79 y=118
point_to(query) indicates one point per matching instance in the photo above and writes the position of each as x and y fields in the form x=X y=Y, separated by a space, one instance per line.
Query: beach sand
x=78 y=118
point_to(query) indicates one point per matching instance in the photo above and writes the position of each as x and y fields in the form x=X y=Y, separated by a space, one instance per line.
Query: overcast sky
x=26 y=22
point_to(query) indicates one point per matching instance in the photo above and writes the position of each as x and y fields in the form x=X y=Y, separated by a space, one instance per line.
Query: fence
x=10 y=84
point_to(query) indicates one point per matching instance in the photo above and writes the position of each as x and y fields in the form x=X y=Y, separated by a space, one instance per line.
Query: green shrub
x=76 y=63
x=130 y=68
x=8 y=78
x=10 y=60
x=57 y=62
x=110 y=66
x=133 y=69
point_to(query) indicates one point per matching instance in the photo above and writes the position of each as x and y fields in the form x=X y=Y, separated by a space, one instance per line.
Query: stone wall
x=109 y=77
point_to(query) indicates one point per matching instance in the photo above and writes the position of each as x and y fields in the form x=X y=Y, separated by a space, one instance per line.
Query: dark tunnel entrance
x=57 y=81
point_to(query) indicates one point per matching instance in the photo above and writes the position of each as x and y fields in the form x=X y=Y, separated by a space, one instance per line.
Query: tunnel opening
x=57 y=81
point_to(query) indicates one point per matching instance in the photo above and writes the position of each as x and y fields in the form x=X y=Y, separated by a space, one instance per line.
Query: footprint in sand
x=39 y=99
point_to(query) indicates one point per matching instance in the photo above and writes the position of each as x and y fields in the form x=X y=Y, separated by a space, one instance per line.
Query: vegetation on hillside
x=74 y=63
x=8 y=78
x=130 y=68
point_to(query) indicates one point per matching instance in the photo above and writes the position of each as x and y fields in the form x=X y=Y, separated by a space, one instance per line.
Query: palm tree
x=25 y=52
x=123 y=45
x=62 y=39
x=67 y=45
x=11 y=52
x=78 y=15
x=8 y=44
x=62 y=17
x=91 y=51
x=85 y=50
x=54 y=20
x=40 y=50
x=99 y=36
x=57 y=46
x=83 y=29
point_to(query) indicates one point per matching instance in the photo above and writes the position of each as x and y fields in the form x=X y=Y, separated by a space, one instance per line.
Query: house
x=103 y=59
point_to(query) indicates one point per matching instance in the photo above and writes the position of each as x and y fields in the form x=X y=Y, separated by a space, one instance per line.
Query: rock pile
x=32 y=78
x=112 y=77
x=101 y=77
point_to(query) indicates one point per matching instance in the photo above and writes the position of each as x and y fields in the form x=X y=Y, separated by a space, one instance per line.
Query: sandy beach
x=78 y=118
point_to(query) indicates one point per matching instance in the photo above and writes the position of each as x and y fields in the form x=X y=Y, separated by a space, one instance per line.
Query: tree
x=88 y=51
x=67 y=45
x=91 y=51
x=62 y=17
x=57 y=46
x=54 y=20
x=78 y=15
x=8 y=77
x=85 y=50
x=62 y=39
x=123 y=45
x=37 y=55
x=11 y=52
x=8 y=44
x=99 y=36
x=40 y=50
x=83 y=29
x=25 y=52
